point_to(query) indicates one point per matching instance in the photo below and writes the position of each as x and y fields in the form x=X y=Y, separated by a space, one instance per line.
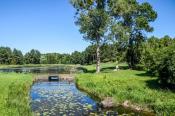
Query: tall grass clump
x=14 y=97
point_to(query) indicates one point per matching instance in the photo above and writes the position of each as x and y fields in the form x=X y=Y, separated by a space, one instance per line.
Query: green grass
x=105 y=67
x=14 y=94
x=134 y=86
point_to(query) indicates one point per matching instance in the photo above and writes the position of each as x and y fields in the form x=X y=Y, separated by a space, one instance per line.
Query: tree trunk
x=98 y=58
x=130 y=54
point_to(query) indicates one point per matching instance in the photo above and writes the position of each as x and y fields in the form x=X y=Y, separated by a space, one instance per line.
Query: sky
x=48 y=25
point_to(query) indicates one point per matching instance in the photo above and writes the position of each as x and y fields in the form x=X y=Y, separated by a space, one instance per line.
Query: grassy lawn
x=135 y=86
x=14 y=94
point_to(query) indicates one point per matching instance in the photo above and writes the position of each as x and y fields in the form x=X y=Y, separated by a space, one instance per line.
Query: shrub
x=166 y=67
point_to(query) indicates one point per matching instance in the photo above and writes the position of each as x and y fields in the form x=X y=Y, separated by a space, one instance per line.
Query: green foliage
x=109 y=52
x=5 y=55
x=124 y=20
x=166 y=68
x=14 y=97
x=51 y=58
x=154 y=50
x=32 y=57
x=130 y=22
x=150 y=54
x=90 y=54
x=17 y=57
x=66 y=59
x=77 y=58
x=158 y=58
x=93 y=19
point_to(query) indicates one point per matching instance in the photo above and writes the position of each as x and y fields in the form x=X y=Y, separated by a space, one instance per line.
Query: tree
x=109 y=52
x=66 y=59
x=131 y=20
x=33 y=57
x=93 y=19
x=51 y=58
x=90 y=54
x=5 y=55
x=17 y=57
x=77 y=58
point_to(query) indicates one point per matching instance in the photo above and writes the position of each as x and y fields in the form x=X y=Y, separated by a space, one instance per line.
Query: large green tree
x=93 y=20
x=33 y=57
x=17 y=57
x=77 y=58
x=5 y=55
x=131 y=21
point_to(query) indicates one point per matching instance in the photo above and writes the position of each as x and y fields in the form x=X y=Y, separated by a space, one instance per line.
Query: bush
x=155 y=50
x=166 y=68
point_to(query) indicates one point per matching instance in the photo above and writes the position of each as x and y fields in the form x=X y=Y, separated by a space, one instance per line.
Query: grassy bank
x=135 y=86
x=14 y=96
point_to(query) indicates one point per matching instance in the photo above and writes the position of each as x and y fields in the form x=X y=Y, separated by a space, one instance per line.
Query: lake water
x=42 y=70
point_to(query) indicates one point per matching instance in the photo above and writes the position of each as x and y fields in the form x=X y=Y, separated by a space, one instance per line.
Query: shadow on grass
x=146 y=74
x=123 y=67
x=155 y=84
x=90 y=71
x=106 y=69
x=84 y=70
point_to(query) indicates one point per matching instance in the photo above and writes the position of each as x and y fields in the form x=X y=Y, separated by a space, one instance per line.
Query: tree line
x=144 y=55
x=88 y=56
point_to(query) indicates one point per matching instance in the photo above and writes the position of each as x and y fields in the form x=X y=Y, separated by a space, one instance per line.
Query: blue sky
x=48 y=25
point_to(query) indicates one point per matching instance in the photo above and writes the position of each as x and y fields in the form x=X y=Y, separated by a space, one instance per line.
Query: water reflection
x=58 y=69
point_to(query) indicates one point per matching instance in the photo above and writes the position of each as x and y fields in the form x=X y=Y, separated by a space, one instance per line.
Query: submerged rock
x=108 y=102
x=127 y=104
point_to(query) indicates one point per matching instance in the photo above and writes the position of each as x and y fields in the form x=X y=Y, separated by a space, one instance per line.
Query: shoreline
x=131 y=107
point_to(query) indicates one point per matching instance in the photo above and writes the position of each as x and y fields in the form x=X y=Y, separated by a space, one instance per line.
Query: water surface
x=60 y=98
x=41 y=70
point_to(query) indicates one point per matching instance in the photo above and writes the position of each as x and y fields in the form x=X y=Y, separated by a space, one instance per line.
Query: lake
x=41 y=70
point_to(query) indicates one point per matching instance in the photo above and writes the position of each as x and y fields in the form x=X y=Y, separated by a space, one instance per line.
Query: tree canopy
x=121 y=20
x=93 y=19
x=131 y=20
